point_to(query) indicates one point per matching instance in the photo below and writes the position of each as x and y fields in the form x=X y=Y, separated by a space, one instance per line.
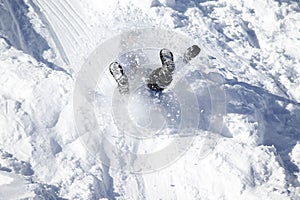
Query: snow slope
x=249 y=53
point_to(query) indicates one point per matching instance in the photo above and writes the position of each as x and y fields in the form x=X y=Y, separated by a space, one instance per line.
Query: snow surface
x=249 y=63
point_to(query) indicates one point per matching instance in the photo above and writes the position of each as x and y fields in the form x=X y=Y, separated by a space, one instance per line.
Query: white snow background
x=253 y=46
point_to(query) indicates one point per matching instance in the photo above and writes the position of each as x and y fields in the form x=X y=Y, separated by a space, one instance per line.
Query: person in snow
x=160 y=78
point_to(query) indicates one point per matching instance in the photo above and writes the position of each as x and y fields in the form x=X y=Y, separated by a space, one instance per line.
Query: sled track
x=66 y=27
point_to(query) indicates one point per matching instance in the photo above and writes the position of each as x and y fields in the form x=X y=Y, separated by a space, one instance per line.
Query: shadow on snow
x=18 y=31
x=281 y=124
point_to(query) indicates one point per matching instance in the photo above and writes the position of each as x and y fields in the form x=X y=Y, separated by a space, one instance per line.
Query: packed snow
x=245 y=83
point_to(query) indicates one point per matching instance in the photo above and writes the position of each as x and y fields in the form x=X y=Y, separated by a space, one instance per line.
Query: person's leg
x=160 y=78
x=117 y=72
x=153 y=79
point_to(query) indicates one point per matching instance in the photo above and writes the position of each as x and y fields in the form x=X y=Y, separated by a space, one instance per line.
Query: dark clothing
x=159 y=79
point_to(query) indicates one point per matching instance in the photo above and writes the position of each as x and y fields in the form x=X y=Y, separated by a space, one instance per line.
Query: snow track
x=71 y=32
x=19 y=32
x=69 y=40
